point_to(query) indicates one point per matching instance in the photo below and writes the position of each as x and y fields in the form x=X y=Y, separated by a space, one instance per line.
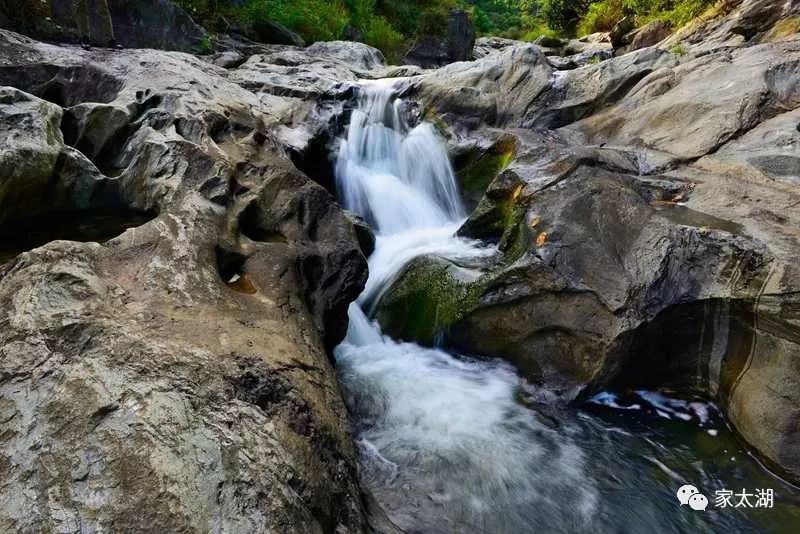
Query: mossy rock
x=426 y=299
x=502 y=215
x=478 y=168
x=782 y=29
x=430 y=114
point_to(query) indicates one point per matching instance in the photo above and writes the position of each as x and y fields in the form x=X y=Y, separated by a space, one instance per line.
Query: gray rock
x=357 y=56
x=456 y=43
x=310 y=72
x=174 y=377
x=668 y=111
x=647 y=223
x=139 y=23
x=741 y=22
x=650 y=34
x=496 y=89
x=770 y=150
x=621 y=29
x=610 y=277
x=579 y=93
x=517 y=86
x=490 y=45
x=230 y=59
x=576 y=46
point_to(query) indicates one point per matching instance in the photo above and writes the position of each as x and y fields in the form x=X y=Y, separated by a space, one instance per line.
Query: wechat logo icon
x=690 y=495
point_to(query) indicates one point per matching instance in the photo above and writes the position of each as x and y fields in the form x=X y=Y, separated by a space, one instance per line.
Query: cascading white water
x=445 y=445
x=395 y=177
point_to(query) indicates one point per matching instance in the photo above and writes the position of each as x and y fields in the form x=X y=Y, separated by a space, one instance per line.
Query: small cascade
x=445 y=445
x=397 y=177
x=454 y=444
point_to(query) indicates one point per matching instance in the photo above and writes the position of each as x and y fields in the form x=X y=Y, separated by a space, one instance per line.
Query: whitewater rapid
x=445 y=444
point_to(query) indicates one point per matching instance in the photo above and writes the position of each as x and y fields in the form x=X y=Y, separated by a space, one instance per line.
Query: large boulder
x=494 y=90
x=621 y=29
x=271 y=32
x=650 y=34
x=667 y=111
x=131 y=23
x=173 y=376
x=517 y=85
x=457 y=43
x=734 y=23
x=308 y=73
x=645 y=227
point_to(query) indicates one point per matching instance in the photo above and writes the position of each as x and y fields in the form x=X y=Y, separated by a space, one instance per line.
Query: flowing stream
x=452 y=444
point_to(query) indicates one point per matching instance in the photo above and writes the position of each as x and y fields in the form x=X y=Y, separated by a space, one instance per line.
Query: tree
x=563 y=15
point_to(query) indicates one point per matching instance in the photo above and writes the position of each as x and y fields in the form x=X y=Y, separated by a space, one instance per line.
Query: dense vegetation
x=391 y=24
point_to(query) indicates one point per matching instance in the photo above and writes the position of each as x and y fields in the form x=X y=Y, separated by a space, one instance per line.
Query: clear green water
x=641 y=459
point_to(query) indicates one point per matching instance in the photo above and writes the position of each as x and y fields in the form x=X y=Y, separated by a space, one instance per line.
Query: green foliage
x=601 y=17
x=207 y=44
x=375 y=30
x=563 y=15
x=684 y=11
x=214 y=15
x=416 y=17
x=535 y=28
x=390 y=25
x=435 y=18
x=314 y=20
x=382 y=35
x=678 y=49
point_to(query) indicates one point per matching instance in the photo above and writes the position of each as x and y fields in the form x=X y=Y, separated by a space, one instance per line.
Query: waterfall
x=446 y=443
x=396 y=177
x=445 y=446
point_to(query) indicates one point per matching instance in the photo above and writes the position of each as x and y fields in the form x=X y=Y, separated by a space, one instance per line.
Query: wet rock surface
x=646 y=220
x=172 y=371
x=170 y=367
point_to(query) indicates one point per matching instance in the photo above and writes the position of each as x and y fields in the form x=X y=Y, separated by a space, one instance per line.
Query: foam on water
x=445 y=445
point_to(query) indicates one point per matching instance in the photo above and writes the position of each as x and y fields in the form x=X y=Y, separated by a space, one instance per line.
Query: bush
x=383 y=36
x=314 y=20
x=536 y=28
x=679 y=49
x=213 y=15
x=434 y=20
x=601 y=17
x=684 y=11
x=563 y=15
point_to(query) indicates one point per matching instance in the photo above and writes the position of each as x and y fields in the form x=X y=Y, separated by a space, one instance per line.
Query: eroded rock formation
x=175 y=371
x=177 y=376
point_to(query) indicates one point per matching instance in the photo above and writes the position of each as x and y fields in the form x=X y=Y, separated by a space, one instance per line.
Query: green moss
x=425 y=300
x=679 y=49
x=517 y=237
x=501 y=215
x=479 y=168
x=783 y=28
x=431 y=115
x=487 y=221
